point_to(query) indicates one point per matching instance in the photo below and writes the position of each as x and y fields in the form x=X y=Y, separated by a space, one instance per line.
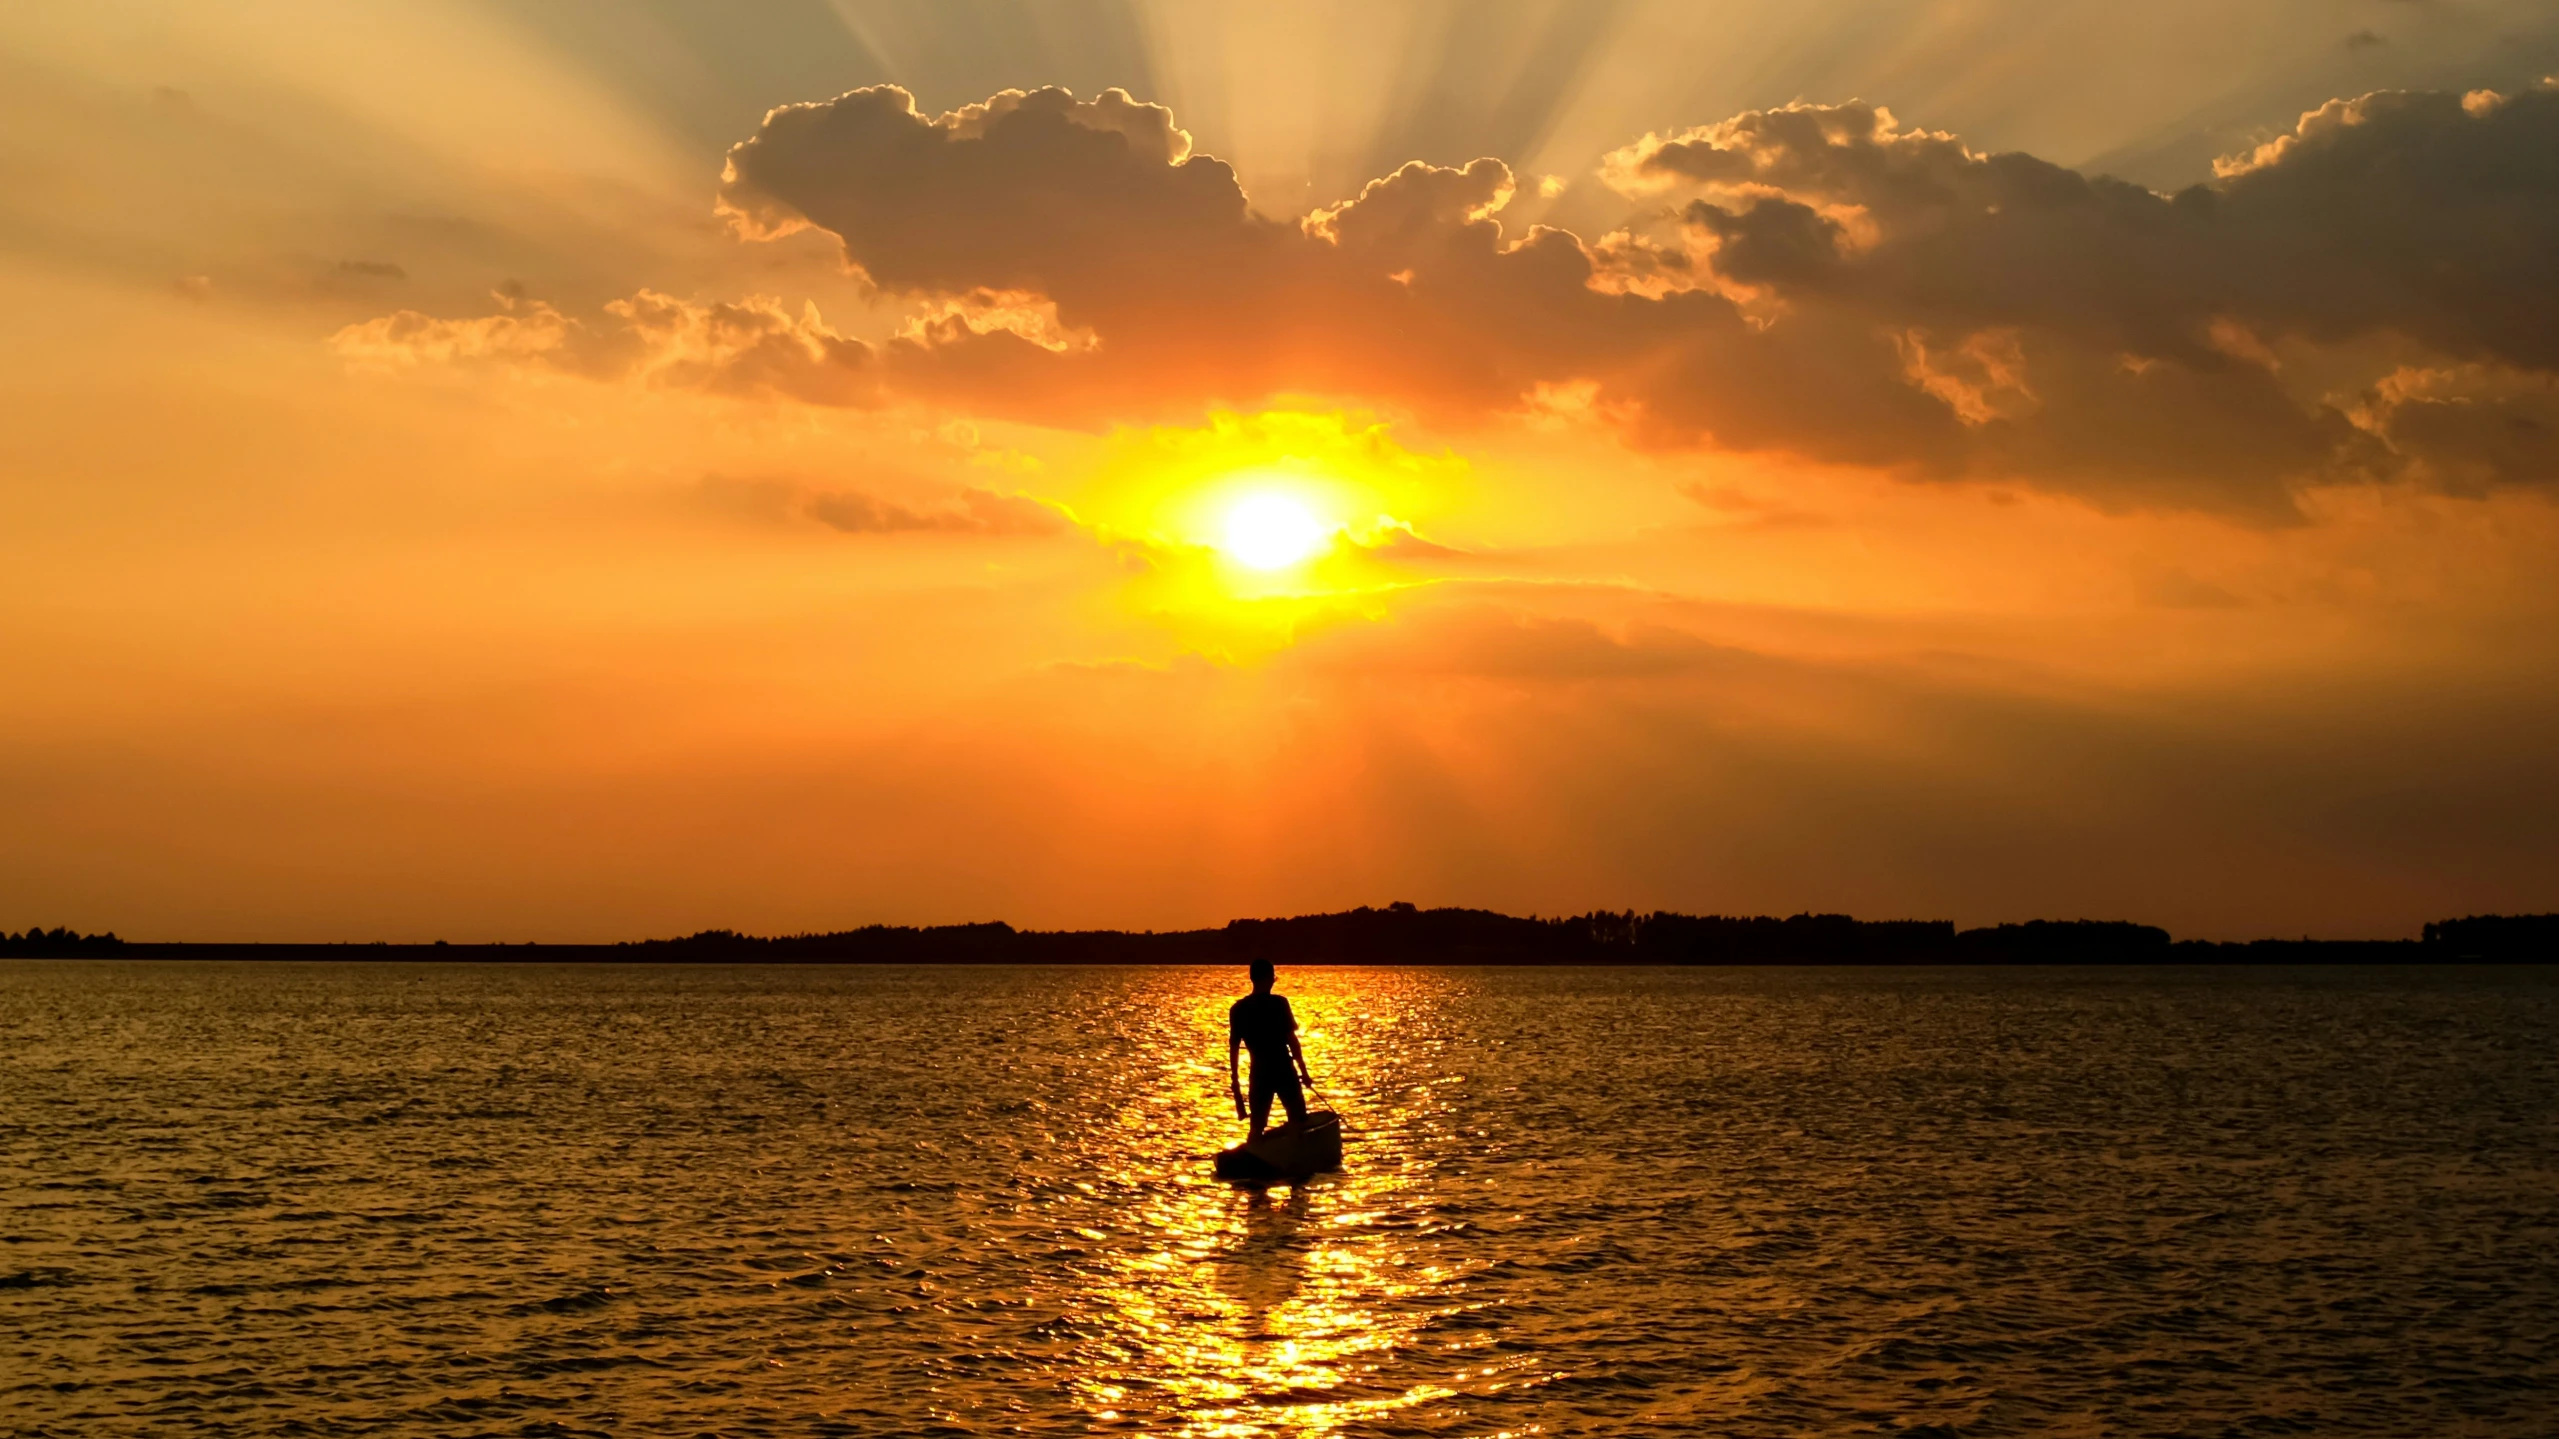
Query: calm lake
x=679 y=1200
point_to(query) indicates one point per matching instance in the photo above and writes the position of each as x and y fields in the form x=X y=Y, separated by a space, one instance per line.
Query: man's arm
x=1234 y=1084
x=1296 y=1051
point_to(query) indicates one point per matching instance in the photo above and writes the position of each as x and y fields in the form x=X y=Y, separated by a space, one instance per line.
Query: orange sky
x=485 y=477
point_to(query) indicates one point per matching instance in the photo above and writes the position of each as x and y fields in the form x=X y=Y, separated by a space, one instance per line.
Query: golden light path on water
x=1279 y=1311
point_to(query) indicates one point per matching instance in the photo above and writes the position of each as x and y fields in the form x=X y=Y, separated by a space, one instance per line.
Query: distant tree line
x=2496 y=936
x=54 y=943
x=1405 y=934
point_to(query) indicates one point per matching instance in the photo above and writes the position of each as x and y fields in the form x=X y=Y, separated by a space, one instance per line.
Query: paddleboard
x=1293 y=1151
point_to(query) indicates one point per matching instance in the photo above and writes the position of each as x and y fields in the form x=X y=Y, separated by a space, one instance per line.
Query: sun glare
x=1242 y=534
x=1272 y=532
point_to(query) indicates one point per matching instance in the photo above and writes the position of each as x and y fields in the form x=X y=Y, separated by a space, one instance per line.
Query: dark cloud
x=1818 y=281
x=2143 y=321
x=2471 y=429
x=2430 y=214
x=1035 y=191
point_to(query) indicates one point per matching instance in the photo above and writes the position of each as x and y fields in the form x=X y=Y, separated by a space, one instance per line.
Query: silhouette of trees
x=1664 y=938
x=1404 y=933
x=1401 y=933
x=2495 y=936
x=56 y=943
x=2095 y=940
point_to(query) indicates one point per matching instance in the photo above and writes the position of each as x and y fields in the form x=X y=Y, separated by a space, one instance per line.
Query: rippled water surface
x=459 y=1200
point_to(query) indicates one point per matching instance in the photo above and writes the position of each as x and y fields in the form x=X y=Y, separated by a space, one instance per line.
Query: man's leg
x=1292 y=1096
x=1261 y=1084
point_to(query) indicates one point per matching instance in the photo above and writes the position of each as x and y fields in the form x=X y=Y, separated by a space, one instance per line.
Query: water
x=458 y=1200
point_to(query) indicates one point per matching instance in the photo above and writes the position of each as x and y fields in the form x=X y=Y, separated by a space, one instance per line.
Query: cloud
x=2469 y=429
x=1815 y=280
x=970 y=511
x=1493 y=642
x=978 y=512
x=749 y=347
x=2132 y=317
x=2426 y=214
x=1398 y=543
x=1037 y=191
x=523 y=331
x=752 y=347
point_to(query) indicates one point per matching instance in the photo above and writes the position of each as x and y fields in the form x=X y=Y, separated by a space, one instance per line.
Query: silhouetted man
x=1263 y=1023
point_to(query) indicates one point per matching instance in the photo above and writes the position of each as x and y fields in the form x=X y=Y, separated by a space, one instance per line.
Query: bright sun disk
x=1273 y=532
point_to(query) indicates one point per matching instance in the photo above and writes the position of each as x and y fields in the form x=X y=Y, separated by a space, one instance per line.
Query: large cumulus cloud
x=2370 y=295
x=2433 y=215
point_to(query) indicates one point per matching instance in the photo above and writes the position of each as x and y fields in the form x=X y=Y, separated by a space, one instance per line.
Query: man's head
x=1263 y=974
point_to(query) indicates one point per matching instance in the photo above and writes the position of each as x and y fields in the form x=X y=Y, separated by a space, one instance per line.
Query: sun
x=1266 y=531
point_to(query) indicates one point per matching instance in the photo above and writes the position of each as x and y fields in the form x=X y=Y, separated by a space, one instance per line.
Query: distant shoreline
x=1402 y=935
x=2188 y=953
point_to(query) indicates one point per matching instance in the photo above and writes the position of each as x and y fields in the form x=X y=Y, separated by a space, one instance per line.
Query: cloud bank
x=2370 y=296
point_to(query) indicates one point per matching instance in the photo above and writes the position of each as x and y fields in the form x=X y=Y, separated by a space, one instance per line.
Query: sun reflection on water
x=1247 y=1312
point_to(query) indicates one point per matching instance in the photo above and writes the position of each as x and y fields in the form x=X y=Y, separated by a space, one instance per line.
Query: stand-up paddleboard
x=1295 y=1150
